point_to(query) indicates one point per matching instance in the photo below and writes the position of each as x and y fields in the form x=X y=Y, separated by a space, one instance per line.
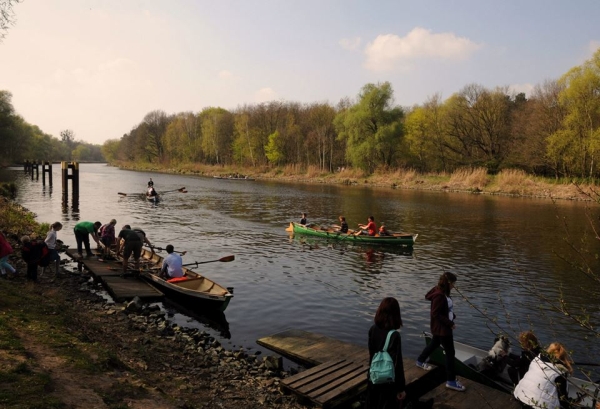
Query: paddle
x=125 y=194
x=181 y=189
x=290 y=227
x=585 y=364
x=163 y=249
x=225 y=259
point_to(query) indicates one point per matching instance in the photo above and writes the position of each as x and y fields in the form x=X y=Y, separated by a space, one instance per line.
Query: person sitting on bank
x=131 y=242
x=303 y=219
x=370 y=228
x=383 y=231
x=172 y=264
x=343 y=225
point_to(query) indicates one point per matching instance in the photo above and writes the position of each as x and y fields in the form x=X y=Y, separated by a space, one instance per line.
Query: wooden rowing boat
x=395 y=239
x=194 y=291
x=468 y=358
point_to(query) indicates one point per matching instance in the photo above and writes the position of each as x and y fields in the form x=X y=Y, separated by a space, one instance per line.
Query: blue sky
x=98 y=66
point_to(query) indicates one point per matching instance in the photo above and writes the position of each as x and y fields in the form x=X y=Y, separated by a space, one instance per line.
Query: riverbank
x=62 y=345
x=508 y=182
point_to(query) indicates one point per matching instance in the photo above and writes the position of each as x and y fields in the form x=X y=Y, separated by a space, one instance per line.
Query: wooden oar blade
x=290 y=228
x=227 y=258
x=123 y=194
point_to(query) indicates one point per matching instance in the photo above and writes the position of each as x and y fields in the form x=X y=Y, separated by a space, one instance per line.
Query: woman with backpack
x=388 y=393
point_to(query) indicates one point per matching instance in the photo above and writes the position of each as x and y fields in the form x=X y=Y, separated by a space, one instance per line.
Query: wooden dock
x=110 y=273
x=338 y=373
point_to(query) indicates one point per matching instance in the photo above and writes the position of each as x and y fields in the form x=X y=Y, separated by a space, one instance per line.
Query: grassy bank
x=469 y=180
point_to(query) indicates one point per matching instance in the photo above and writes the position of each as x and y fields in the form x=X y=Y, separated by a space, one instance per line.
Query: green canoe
x=394 y=239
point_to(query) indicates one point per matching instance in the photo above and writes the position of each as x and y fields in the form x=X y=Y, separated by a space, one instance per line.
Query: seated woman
x=519 y=364
x=343 y=225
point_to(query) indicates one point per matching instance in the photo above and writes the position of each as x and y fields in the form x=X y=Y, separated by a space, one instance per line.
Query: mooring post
x=74 y=176
x=47 y=167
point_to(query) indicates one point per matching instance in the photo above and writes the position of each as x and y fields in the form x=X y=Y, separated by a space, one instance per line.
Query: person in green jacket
x=83 y=231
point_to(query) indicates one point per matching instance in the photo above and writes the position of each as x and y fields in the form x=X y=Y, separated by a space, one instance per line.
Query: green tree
x=110 y=150
x=217 y=134
x=68 y=139
x=372 y=128
x=274 y=148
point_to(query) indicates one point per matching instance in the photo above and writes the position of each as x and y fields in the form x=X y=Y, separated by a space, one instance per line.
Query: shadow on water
x=215 y=320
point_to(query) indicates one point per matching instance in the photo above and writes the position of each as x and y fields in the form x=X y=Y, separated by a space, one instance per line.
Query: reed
x=469 y=178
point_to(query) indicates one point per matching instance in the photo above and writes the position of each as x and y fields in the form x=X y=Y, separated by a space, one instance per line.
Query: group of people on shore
x=540 y=376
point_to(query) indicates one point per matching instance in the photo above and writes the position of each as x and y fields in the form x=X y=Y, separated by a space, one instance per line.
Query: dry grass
x=469 y=178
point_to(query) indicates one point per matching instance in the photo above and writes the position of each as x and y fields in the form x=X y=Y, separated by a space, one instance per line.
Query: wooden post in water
x=35 y=167
x=47 y=167
x=74 y=176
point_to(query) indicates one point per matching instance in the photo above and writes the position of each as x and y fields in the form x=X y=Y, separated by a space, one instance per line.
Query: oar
x=222 y=259
x=163 y=249
x=290 y=228
x=182 y=190
x=585 y=364
x=125 y=194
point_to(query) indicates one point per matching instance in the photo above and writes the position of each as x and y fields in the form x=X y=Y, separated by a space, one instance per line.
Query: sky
x=98 y=67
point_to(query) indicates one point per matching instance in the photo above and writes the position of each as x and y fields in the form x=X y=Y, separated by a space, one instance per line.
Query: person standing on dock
x=172 y=266
x=131 y=242
x=387 y=319
x=442 y=327
x=83 y=231
x=51 y=243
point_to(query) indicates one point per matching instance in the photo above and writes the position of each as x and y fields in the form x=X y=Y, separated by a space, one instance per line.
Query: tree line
x=555 y=132
x=21 y=141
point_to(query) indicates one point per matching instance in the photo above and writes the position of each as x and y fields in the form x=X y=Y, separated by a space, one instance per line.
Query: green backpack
x=382 y=368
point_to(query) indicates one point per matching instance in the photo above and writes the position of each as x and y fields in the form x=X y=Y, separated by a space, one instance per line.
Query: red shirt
x=372 y=228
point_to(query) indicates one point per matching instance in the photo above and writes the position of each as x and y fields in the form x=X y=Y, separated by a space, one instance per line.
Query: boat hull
x=196 y=292
x=395 y=239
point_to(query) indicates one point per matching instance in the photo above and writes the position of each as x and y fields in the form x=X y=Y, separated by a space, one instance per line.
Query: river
x=499 y=247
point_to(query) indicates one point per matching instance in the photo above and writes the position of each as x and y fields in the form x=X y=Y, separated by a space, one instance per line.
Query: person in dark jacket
x=442 y=327
x=387 y=317
x=35 y=253
x=519 y=364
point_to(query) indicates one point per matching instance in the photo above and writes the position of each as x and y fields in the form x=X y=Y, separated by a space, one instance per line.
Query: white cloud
x=350 y=43
x=526 y=88
x=388 y=51
x=265 y=95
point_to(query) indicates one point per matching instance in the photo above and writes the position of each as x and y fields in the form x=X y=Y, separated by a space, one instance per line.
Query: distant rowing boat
x=233 y=178
x=394 y=239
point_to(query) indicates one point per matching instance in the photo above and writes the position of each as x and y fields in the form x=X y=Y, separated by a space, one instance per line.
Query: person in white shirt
x=172 y=264
x=51 y=243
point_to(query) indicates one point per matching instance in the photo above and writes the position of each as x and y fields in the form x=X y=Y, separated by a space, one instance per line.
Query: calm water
x=499 y=247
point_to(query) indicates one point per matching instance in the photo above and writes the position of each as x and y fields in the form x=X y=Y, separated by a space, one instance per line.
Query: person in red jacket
x=370 y=228
x=442 y=325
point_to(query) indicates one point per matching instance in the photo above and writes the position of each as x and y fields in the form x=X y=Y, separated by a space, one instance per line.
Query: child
x=383 y=231
x=51 y=243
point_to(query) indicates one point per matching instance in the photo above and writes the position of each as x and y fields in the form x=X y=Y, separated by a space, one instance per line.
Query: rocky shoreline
x=152 y=362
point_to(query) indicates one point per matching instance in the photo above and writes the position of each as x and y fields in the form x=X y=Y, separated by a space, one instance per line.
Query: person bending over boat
x=545 y=383
x=107 y=236
x=442 y=327
x=131 y=242
x=370 y=228
x=518 y=365
x=83 y=231
x=387 y=318
x=172 y=264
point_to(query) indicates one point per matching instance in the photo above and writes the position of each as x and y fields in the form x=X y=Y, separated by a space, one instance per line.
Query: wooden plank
x=126 y=288
x=309 y=375
x=475 y=397
x=309 y=348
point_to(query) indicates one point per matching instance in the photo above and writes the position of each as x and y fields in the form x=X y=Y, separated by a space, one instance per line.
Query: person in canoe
x=150 y=183
x=303 y=219
x=172 y=264
x=518 y=365
x=370 y=228
x=151 y=192
x=383 y=231
x=343 y=225
x=131 y=242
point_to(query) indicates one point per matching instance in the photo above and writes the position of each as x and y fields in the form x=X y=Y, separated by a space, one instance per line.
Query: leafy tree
x=217 y=131
x=372 y=128
x=274 y=149
x=110 y=150
x=68 y=138
x=7 y=16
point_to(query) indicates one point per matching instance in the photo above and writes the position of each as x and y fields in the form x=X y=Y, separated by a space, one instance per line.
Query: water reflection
x=215 y=320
